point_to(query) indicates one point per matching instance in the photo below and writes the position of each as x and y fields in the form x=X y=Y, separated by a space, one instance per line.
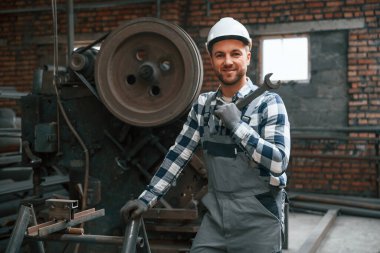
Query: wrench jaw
x=265 y=86
x=269 y=83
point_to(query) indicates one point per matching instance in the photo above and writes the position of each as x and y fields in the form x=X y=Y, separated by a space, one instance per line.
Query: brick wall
x=338 y=165
x=20 y=55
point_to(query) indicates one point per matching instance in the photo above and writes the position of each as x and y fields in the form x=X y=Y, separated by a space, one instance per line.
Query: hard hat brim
x=211 y=43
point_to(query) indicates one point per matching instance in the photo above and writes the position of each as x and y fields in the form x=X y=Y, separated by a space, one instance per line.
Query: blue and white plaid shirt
x=266 y=140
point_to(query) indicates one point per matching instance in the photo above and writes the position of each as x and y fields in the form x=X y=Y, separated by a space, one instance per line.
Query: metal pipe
x=359 y=199
x=11 y=94
x=63 y=111
x=369 y=129
x=27 y=185
x=208 y=7
x=330 y=200
x=138 y=146
x=70 y=30
x=286 y=227
x=91 y=239
x=10 y=132
x=337 y=138
x=77 y=6
x=37 y=80
x=343 y=209
x=145 y=238
x=130 y=238
x=19 y=229
x=336 y=157
x=158 y=8
x=50 y=68
x=39 y=245
x=377 y=148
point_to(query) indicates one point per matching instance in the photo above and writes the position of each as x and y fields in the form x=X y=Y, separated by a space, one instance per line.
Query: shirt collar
x=245 y=90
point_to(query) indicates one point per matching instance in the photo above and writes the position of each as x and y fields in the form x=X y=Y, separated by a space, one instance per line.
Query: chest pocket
x=252 y=115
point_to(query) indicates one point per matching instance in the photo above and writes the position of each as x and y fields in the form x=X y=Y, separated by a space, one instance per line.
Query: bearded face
x=230 y=60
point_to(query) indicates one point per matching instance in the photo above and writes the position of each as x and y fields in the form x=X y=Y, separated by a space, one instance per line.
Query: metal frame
x=44 y=231
x=314 y=240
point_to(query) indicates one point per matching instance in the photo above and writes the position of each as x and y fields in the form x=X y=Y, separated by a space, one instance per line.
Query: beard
x=230 y=81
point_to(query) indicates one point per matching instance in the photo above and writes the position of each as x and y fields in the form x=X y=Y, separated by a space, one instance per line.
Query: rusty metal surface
x=61 y=208
x=148 y=72
x=52 y=226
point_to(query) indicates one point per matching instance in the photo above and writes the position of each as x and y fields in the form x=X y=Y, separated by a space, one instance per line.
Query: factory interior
x=93 y=94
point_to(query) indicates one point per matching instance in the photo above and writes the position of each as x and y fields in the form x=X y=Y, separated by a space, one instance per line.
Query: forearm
x=268 y=152
x=175 y=160
x=266 y=137
x=167 y=173
x=279 y=181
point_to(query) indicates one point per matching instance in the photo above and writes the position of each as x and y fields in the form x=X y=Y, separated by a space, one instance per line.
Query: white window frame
x=283 y=61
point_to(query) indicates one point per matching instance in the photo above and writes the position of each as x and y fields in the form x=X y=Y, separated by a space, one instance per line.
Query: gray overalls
x=236 y=221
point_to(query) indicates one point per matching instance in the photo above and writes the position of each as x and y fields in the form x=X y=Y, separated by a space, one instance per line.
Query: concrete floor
x=349 y=234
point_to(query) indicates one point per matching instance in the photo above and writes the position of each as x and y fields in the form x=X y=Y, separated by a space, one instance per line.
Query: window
x=287 y=58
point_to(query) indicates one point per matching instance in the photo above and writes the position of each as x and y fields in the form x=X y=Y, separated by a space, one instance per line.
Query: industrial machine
x=94 y=133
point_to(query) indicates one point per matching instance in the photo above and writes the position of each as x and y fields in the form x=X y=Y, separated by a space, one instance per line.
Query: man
x=246 y=153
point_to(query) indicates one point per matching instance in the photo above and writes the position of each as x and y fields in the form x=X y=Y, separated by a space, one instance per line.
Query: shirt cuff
x=148 y=198
x=244 y=134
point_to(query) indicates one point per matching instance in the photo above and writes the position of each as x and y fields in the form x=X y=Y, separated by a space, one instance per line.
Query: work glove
x=229 y=114
x=133 y=209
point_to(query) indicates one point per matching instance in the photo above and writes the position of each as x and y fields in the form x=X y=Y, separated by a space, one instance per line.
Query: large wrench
x=267 y=85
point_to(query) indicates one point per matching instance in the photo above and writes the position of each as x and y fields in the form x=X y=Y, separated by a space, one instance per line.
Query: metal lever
x=34 y=160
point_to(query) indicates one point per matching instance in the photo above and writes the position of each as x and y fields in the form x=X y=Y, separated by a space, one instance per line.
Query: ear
x=212 y=62
x=249 y=57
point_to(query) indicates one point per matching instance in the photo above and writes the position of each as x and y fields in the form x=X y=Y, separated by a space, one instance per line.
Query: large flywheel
x=148 y=72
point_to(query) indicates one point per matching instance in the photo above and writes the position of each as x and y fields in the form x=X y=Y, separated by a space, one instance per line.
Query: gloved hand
x=229 y=114
x=133 y=209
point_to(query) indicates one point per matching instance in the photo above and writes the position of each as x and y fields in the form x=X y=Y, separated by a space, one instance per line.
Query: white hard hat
x=227 y=28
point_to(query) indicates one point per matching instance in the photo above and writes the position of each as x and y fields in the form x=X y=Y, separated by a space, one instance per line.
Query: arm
x=270 y=145
x=175 y=160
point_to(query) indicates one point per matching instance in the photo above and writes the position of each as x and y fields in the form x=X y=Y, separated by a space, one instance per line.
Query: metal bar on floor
x=315 y=238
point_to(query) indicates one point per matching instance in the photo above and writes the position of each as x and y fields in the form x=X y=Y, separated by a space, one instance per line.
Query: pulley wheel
x=148 y=72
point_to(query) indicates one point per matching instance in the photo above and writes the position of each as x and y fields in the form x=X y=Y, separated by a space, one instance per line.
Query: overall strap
x=207 y=106
x=246 y=117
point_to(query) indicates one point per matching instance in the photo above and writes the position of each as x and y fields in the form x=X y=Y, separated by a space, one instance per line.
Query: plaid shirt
x=265 y=139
